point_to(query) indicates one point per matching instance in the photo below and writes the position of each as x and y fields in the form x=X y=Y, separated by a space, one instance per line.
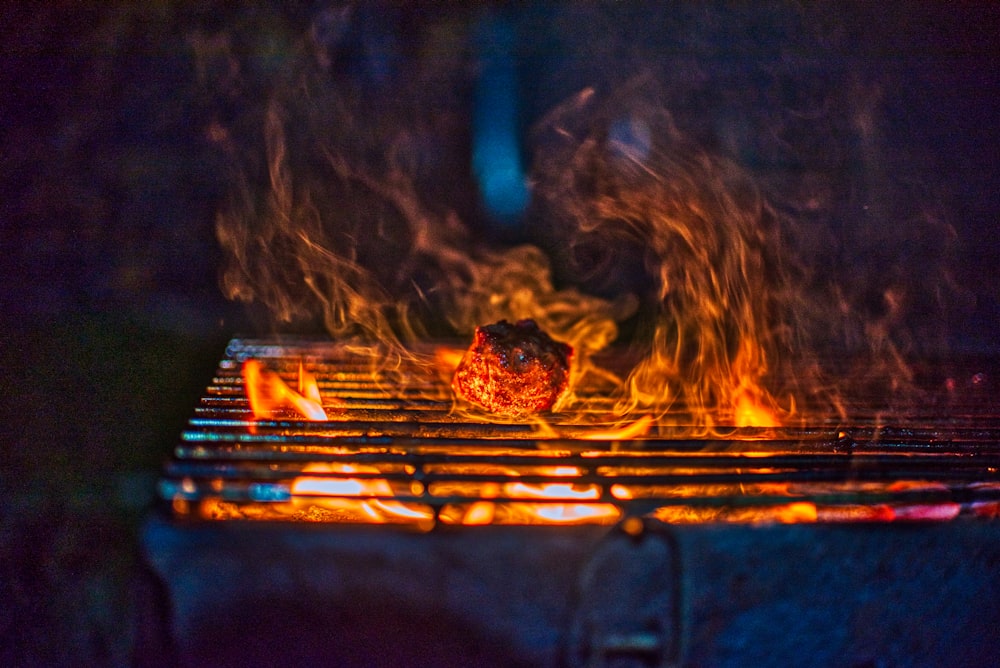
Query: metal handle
x=628 y=608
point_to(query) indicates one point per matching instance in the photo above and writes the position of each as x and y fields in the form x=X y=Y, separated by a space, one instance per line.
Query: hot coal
x=513 y=370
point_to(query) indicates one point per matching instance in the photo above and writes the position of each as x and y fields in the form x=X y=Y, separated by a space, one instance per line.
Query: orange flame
x=563 y=512
x=716 y=290
x=268 y=393
x=355 y=494
x=752 y=414
x=635 y=429
x=482 y=512
x=518 y=502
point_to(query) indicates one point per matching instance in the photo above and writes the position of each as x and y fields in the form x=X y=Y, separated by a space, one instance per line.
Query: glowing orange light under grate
x=386 y=445
x=267 y=392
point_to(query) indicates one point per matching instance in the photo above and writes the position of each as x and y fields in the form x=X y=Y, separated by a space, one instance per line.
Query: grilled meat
x=513 y=370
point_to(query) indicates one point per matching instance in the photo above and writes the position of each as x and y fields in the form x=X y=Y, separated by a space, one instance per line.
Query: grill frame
x=261 y=593
x=721 y=590
x=401 y=428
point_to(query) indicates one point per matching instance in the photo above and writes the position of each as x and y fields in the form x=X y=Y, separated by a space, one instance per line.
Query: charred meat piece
x=513 y=370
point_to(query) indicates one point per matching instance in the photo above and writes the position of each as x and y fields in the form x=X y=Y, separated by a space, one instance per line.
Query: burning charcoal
x=513 y=370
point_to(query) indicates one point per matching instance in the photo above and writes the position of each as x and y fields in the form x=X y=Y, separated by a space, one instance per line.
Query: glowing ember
x=268 y=393
x=576 y=512
x=480 y=512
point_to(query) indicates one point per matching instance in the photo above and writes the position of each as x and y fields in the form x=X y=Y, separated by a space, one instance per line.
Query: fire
x=369 y=496
x=479 y=513
x=579 y=498
x=268 y=393
x=715 y=297
x=634 y=429
x=308 y=387
x=796 y=512
x=503 y=498
x=559 y=490
x=447 y=358
x=752 y=414
x=650 y=219
x=482 y=512
x=651 y=226
x=360 y=492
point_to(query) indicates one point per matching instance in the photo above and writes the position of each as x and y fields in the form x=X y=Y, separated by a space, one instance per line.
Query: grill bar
x=396 y=449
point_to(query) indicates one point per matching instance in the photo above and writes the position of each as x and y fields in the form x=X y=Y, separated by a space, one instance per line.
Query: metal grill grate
x=395 y=451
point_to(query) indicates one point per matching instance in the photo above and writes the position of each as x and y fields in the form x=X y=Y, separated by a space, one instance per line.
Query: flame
x=634 y=429
x=519 y=502
x=308 y=387
x=337 y=217
x=328 y=224
x=752 y=414
x=558 y=491
x=447 y=359
x=796 y=512
x=479 y=513
x=554 y=490
x=482 y=512
x=268 y=393
x=716 y=292
x=354 y=494
x=720 y=293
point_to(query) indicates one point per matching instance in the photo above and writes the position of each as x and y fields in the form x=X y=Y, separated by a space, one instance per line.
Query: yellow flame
x=633 y=429
x=328 y=223
x=559 y=491
x=518 y=502
x=752 y=414
x=268 y=393
x=354 y=493
x=307 y=385
x=720 y=294
x=479 y=513
x=716 y=291
x=576 y=512
x=796 y=512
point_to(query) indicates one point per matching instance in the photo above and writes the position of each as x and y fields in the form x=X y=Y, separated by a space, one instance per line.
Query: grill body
x=698 y=595
x=874 y=544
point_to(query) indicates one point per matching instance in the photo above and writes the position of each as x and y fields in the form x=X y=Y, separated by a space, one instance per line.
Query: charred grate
x=394 y=451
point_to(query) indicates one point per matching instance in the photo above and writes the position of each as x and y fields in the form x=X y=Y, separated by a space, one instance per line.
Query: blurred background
x=123 y=127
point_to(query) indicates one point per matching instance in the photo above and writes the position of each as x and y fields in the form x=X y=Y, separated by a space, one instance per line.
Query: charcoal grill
x=404 y=531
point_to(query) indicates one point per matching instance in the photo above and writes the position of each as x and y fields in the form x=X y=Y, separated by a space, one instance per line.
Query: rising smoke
x=714 y=179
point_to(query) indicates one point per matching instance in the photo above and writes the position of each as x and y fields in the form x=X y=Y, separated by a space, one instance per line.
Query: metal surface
x=394 y=433
x=810 y=546
x=628 y=610
x=255 y=594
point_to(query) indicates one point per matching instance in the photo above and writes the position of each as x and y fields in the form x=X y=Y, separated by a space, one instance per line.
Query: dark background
x=110 y=176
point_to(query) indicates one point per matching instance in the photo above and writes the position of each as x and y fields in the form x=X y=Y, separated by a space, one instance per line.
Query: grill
x=567 y=543
x=396 y=452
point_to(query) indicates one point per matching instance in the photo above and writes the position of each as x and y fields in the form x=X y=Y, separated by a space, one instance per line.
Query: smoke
x=792 y=248
x=620 y=170
x=333 y=224
x=719 y=182
x=326 y=227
